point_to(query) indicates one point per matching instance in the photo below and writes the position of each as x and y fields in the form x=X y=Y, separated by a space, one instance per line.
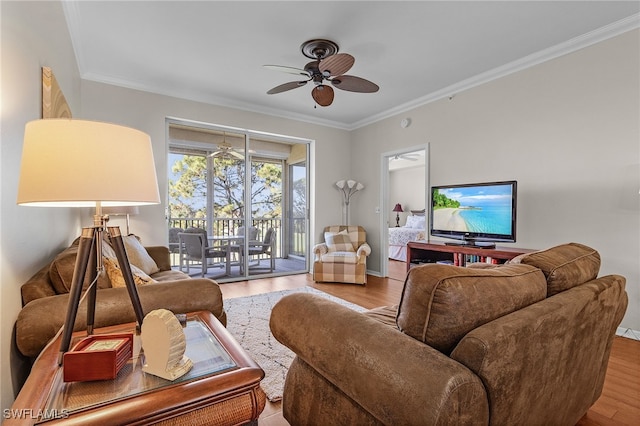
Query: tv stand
x=470 y=243
x=435 y=252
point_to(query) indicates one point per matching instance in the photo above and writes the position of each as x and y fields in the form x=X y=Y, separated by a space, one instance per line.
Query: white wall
x=147 y=112
x=407 y=187
x=33 y=35
x=567 y=130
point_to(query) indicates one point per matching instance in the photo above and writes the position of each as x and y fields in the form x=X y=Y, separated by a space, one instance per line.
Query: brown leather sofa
x=517 y=344
x=45 y=297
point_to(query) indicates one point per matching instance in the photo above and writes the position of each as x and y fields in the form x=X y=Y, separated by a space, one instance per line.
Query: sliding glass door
x=248 y=191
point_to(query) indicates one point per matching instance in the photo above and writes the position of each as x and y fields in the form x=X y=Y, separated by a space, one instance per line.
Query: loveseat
x=518 y=344
x=45 y=297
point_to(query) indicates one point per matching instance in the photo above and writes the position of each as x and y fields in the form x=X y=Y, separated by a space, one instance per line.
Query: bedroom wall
x=567 y=130
x=407 y=187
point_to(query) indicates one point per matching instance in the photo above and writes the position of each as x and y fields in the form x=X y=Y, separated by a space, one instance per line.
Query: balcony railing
x=226 y=226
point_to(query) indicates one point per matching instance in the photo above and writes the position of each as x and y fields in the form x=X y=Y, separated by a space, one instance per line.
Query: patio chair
x=194 y=245
x=174 y=242
x=266 y=246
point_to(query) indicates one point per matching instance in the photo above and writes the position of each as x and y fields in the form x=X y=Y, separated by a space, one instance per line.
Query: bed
x=413 y=230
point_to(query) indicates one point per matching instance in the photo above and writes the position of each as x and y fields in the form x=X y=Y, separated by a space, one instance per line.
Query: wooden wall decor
x=54 y=104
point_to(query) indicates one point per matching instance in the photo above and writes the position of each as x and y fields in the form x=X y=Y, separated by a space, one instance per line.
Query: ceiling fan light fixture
x=322 y=94
x=328 y=65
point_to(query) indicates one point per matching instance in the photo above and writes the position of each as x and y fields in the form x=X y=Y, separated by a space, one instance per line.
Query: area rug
x=248 y=322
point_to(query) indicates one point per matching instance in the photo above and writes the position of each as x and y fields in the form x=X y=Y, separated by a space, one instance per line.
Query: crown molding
x=614 y=29
x=601 y=34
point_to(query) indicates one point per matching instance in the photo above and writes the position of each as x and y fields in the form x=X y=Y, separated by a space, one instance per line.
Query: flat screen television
x=478 y=214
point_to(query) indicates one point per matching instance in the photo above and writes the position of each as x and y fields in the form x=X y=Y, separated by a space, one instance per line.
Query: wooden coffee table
x=222 y=388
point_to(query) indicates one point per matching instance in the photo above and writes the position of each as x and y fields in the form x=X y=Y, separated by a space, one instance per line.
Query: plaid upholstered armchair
x=342 y=257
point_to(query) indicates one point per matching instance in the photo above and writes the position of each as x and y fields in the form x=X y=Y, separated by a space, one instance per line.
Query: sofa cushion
x=61 y=271
x=170 y=275
x=565 y=266
x=338 y=242
x=442 y=303
x=117 y=278
x=340 y=257
x=138 y=255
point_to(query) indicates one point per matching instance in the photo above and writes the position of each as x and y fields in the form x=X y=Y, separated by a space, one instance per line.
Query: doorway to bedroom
x=405 y=187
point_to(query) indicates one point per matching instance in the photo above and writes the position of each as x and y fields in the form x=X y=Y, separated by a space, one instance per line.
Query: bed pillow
x=415 y=222
x=420 y=223
x=338 y=241
x=411 y=220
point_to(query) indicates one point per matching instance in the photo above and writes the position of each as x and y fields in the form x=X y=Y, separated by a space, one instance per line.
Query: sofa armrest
x=394 y=377
x=363 y=251
x=319 y=250
x=41 y=319
x=160 y=255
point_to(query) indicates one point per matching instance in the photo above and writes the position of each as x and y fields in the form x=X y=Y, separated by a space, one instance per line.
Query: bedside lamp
x=398 y=209
x=77 y=163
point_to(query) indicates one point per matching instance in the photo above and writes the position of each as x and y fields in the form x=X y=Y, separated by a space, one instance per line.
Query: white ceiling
x=419 y=51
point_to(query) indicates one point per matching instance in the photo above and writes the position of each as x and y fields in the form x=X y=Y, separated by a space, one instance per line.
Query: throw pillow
x=107 y=250
x=61 y=271
x=338 y=242
x=138 y=255
x=117 y=278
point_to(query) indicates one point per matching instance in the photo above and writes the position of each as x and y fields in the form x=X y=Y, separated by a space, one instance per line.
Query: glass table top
x=203 y=348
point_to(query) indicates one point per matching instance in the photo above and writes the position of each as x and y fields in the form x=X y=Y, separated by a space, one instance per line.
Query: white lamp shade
x=351 y=183
x=359 y=186
x=340 y=184
x=77 y=163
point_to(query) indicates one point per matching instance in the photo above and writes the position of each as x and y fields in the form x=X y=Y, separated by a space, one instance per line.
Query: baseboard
x=628 y=333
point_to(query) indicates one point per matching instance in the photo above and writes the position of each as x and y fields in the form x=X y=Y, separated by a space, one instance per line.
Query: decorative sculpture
x=164 y=344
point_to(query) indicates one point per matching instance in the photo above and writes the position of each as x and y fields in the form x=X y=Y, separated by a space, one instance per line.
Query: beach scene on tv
x=485 y=209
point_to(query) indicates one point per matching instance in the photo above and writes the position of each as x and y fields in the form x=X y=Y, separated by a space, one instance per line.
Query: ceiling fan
x=409 y=157
x=225 y=149
x=328 y=66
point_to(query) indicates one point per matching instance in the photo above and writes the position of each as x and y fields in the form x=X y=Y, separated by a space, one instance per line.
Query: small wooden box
x=97 y=357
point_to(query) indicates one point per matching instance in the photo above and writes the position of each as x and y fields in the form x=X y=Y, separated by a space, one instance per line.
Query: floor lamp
x=77 y=163
x=348 y=188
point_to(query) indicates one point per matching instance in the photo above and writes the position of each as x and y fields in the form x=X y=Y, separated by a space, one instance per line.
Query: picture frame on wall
x=54 y=104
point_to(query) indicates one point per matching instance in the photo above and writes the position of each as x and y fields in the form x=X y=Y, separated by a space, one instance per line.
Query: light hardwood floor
x=618 y=405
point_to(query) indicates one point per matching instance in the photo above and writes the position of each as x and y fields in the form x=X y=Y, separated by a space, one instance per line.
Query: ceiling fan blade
x=322 y=94
x=289 y=70
x=354 y=84
x=237 y=155
x=286 y=86
x=336 y=64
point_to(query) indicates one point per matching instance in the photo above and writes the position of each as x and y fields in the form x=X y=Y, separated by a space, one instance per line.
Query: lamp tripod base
x=88 y=264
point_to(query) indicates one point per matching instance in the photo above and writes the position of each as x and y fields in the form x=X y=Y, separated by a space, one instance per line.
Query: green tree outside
x=441 y=201
x=188 y=188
